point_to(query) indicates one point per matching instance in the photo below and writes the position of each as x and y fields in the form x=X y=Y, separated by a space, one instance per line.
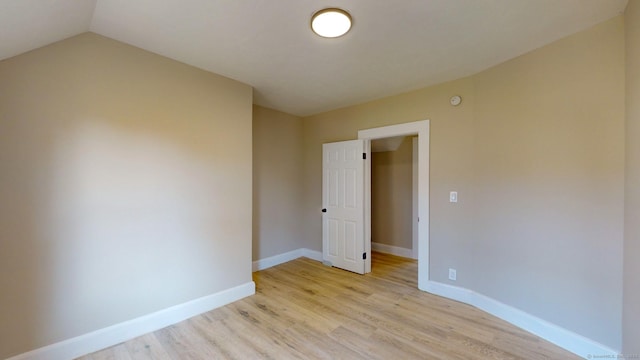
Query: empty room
x=250 y=179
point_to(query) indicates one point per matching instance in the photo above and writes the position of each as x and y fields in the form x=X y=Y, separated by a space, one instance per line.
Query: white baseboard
x=286 y=257
x=393 y=250
x=115 y=334
x=312 y=254
x=555 y=334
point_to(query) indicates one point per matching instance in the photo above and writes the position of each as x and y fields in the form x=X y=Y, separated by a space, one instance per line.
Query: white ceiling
x=393 y=47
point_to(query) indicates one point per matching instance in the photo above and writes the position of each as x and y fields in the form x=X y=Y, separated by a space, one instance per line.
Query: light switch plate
x=453 y=197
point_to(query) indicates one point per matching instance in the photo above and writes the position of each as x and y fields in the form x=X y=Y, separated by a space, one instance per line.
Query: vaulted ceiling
x=393 y=47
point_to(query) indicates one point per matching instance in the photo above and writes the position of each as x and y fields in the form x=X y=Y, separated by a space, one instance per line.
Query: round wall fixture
x=455 y=100
x=331 y=22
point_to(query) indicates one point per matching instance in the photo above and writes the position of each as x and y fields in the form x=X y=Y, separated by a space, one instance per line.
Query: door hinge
x=364 y=256
x=364 y=156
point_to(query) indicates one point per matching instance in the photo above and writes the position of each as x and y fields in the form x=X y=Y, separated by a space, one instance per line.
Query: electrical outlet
x=452 y=274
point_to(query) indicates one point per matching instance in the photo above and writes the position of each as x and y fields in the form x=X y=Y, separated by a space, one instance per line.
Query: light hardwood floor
x=304 y=310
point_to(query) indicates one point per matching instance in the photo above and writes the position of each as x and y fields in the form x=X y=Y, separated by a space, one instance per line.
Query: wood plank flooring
x=305 y=310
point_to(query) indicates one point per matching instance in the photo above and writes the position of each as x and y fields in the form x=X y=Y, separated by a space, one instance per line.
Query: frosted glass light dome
x=331 y=22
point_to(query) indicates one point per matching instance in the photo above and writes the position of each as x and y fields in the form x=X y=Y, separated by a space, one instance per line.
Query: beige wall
x=125 y=188
x=549 y=182
x=277 y=182
x=631 y=313
x=392 y=196
x=450 y=157
x=536 y=153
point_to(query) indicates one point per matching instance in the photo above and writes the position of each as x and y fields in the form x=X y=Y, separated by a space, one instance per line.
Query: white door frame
x=414 y=198
x=420 y=128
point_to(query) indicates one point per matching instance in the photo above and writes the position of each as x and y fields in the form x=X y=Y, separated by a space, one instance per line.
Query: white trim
x=286 y=257
x=115 y=334
x=555 y=334
x=420 y=128
x=276 y=260
x=415 y=168
x=404 y=129
x=393 y=250
x=312 y=254
x=367 y=206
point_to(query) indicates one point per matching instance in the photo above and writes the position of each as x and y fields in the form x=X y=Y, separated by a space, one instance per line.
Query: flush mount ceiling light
x=331 y=22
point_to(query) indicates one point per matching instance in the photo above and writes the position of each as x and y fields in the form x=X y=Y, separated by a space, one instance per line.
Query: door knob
x=324 y=210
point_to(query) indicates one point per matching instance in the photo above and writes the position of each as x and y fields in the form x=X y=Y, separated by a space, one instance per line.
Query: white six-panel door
x=343 y=205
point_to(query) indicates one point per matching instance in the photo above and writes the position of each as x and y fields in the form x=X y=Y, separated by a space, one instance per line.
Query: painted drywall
x=125 y=188
x=536 y=153
x=549 y=182
x=392 y=195
x=631 y=312
x=451 y=151
x=277 y=183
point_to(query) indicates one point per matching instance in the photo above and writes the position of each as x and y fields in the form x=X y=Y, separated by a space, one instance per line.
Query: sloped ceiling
x=29 y=24
x=394 y=46
x=387 y=144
